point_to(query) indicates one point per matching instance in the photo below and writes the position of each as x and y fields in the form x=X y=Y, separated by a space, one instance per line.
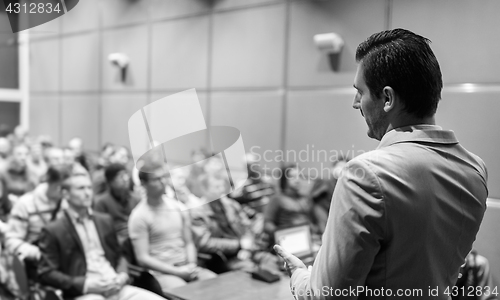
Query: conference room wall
x=235 y=51
x=8 y=55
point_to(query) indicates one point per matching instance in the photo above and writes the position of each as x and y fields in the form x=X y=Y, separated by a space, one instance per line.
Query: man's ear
x=389 y=97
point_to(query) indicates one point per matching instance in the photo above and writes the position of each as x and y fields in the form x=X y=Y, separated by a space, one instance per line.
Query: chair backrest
x=21 y=277
x=128 y=252
x=140 y=276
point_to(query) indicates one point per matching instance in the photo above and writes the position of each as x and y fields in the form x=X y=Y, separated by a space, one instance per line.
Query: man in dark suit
x=80 y=251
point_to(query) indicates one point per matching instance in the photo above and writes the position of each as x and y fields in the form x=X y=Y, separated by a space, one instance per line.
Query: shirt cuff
x=85 y=286
x=299 y=281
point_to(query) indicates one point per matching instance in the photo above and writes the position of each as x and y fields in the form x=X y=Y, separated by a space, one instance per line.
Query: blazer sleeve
x=49 y=266
x=206 y=242
x=353 y=237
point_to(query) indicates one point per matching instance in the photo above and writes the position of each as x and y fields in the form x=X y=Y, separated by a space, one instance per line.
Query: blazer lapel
x=101 y=232
x=72 y=231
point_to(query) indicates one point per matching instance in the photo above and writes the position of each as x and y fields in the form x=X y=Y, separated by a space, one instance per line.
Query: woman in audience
x=118 y=200
x=17 y=178
x=290 y=207
x=119 y=155
x=197 y=170
x=36 y=162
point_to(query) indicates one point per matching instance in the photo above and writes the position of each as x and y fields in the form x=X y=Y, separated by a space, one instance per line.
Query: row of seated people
x=35 y=210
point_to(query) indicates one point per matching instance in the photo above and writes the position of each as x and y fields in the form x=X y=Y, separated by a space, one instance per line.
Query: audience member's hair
x=66 y=184
x=147 y=167
x=112 y=171
x=285 y=171
x=58 y=173
x=106 y=146
x=404 y=61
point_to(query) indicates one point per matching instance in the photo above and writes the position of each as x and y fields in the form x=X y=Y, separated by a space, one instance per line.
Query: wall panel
x=45 y=116
x=257 y=115
x=45 y=63
x=116 y=111
x=80 y=62
x=248 y=47
x=231 y=4
x=463 y=34
x=133 y=42
x=84 y=16
x=309 y=66
x=80 y=117
x=180 y=54
x=124 y=12
x=178 y=155
x=161 y=9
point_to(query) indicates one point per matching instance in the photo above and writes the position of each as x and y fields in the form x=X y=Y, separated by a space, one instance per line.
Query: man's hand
x=292 y=263
x=104 y=287
x=121 y=279
x=27 y=251
x=188 y=272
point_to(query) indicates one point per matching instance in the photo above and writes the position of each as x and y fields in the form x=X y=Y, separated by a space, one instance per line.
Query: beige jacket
x=403 y=219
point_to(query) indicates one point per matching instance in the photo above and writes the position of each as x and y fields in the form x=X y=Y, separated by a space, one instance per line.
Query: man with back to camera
x=405 y=215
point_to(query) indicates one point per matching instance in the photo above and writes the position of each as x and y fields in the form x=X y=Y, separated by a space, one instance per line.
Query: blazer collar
x=72 y=230
x=418 y=133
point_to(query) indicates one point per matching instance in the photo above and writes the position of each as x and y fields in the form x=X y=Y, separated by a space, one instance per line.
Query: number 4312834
x=33 y=8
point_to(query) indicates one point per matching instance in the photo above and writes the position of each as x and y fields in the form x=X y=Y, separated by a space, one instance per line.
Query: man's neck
x=80 y=211
x=409 y=120
x=155 y=201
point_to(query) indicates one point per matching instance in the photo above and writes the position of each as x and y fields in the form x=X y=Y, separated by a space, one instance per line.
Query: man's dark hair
x=58 y=173
x=148 y=167
x=285 y=171
x=404 y=61
x=112 y=171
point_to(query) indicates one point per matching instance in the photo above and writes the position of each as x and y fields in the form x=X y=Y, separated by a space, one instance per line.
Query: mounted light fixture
x=120 y=60
x=331 y=44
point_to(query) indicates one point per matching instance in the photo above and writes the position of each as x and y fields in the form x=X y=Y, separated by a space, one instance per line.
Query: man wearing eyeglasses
x=160 y=231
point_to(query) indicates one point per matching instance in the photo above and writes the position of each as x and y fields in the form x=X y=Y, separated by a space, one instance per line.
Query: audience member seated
x=193 y=180
x=17 y=178
x=7 y=285
x=54 y=156
x=257 y=188
x=119 y=155
x=222 y=227
x=69 y=156
x=161 y=234
x=118 y=200
x=36 y=162
x=5 y=149
x=103 y=160
x=322 y=192
x=290 y=207
x=80 y=251
x=33 y=211
x=76 y=145
x=19 y=136
x=474 y=274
